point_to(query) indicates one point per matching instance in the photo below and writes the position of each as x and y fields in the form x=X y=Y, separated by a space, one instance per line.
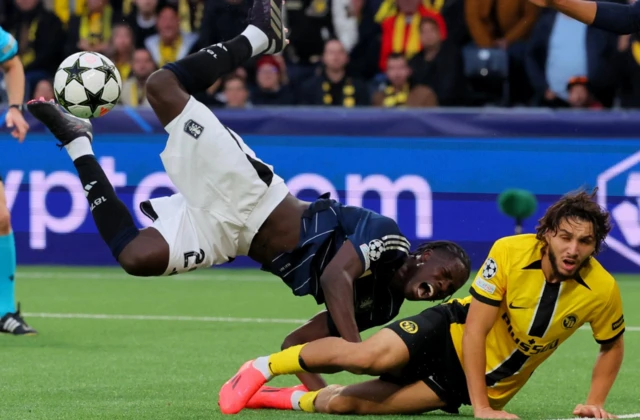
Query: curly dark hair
x=452 y=249
x=578 y=205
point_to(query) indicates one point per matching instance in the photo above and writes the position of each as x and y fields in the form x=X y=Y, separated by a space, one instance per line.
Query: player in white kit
x=229 y=203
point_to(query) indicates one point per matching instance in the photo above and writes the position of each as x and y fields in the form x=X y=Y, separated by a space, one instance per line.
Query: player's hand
x=489 y=413
x=592 y=411
x=15 y=120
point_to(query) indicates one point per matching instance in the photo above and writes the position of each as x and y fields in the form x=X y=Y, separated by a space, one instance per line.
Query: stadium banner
x=437 y=173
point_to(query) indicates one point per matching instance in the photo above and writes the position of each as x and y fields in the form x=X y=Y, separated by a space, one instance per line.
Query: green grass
x=168 y=369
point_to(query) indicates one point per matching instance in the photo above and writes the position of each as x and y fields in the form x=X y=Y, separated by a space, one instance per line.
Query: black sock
x=112 y=217
x=197 y=72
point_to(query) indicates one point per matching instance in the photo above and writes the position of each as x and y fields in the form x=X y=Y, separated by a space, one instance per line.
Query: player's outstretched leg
x=382 y=353
x=371 y=397
x=169 y=88
x=140 y=253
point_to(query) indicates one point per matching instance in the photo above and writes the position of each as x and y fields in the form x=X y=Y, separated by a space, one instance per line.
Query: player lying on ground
x=512 y=322
x=231 y=203
x=613 y=17
x=11 y=321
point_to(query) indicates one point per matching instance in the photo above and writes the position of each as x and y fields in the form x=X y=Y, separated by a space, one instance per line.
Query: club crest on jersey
x=409 y=326
x=489 y=269
x=569 y=321
x=193 y=129
x=376 y=248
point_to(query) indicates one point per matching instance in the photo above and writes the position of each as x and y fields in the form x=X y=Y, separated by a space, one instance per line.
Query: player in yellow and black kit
x=531 y=294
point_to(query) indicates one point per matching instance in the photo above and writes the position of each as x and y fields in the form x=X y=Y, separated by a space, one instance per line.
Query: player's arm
x=608 y=329
x=488 y=291
x=613 y=17
x=15 y=82
x=480 y=319
x=337 y=285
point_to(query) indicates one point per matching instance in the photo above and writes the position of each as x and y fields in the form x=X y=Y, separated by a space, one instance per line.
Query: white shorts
x=225 y=192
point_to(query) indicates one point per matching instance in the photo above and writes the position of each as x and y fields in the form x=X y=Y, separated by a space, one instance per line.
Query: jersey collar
x=537 y=265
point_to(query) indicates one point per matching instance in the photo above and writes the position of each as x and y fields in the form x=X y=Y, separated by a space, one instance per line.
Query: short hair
x=580 y=205
x=396 y=56
x=452 y=249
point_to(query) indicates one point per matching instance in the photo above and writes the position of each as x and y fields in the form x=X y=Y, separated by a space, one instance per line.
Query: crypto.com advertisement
x=435 y=187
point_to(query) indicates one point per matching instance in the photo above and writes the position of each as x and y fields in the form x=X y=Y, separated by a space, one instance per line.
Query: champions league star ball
x=87 y=85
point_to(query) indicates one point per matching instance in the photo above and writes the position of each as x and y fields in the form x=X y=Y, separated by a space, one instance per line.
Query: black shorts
x=364 y=321
x=433 y=358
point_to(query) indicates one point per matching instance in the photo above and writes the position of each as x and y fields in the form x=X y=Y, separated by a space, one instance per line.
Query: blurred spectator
x=561 y=48
x=39 y=33
x=44 y=89
x=365 y=54
x=505 y=24
x=91 y=31
x=65 y=9
x=134 y=88
x=398 y=90
x=452 y=12
x=500 y=23
x=271 y=87
x=170 y=44
x=333 y=86
x=122 y=49
x=439 y=65
x=143 y=20
x=579 y=95
x=236 y=93
x=401 y=32
x=190 y=12
x=628 y=68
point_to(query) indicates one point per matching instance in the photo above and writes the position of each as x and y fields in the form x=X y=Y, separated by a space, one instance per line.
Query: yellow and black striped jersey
x=535 y=317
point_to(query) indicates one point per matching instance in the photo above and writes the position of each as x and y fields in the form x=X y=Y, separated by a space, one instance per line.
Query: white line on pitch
x=622 y=416
x=189 y=318
x=202 y=276
x=168 y=318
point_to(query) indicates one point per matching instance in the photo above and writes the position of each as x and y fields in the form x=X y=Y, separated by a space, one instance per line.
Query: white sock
x=258 y=39
x=262 y=364
x=295 y=400
x=79 y=147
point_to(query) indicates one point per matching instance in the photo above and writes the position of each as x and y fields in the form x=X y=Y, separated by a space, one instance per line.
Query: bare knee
x=291 y=340
x=158 y=88
x=338 y=403
x=137 y=262
x=5 y=221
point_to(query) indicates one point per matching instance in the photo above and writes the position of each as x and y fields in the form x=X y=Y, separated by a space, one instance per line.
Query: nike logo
x=516 y=307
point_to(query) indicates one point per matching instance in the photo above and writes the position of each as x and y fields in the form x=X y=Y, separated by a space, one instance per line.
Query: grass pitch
x=113 y=346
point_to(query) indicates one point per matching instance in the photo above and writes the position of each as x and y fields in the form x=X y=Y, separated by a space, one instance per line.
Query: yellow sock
x=307 y=401
x=286 y=362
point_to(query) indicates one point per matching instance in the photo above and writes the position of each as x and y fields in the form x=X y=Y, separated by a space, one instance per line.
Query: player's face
x=434 y=277
x=570 y=247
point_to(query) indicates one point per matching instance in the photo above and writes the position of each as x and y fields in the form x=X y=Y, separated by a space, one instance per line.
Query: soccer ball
x=87 y=84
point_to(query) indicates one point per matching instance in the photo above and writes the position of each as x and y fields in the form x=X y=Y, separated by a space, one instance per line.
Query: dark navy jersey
x=325 y=226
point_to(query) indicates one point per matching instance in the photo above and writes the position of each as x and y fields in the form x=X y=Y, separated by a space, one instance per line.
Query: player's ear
x=423 y=257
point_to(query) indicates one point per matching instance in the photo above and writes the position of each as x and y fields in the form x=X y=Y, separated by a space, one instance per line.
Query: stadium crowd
x=386 y=53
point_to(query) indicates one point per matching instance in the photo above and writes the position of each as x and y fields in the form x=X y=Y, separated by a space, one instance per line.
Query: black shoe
x=65 y=127
x=267 y=16
x=14 y=324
